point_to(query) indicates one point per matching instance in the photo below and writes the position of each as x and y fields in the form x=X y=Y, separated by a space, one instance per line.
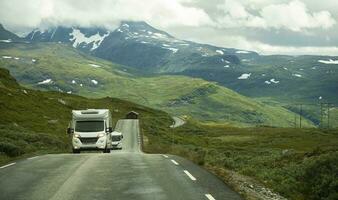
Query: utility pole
x=321 y=115
x=300 y=115
x=328 y=115
x=295 y=120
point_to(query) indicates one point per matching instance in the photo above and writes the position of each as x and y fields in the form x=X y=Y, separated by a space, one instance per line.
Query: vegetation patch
x=295 y=163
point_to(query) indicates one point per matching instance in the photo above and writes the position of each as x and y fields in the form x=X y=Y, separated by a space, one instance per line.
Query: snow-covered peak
x=77 y=37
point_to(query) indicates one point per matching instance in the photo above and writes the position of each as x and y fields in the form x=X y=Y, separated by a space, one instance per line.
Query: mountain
x=7 y=36
x=140 y=45
x=60 y=67
x=86 y=39
x=286 y=79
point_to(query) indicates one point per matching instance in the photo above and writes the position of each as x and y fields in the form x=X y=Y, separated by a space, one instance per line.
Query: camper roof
x=90 y=114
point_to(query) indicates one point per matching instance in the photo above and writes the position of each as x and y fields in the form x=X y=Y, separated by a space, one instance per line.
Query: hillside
x=282 y=78
x=36 y=121
x=59 y=67
x=7 y=36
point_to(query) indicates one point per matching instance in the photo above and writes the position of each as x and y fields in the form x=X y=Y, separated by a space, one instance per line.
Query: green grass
x=178 y=95
x=296 y=163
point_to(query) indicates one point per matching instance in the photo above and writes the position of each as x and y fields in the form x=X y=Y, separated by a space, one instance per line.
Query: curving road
x=177 y=122
x=126 y=174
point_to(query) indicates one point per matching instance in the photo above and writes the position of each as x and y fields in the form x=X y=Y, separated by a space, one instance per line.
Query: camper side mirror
x=70 y=130
x=109 y=130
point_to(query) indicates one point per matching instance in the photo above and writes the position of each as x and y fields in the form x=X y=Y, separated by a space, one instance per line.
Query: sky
x=293 y=27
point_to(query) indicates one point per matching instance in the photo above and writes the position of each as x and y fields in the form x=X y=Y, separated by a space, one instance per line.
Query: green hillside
x=35 y=121
x=60 y=67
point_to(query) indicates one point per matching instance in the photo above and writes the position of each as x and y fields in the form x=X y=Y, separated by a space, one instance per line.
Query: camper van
x=116 y=138
x=91 y=130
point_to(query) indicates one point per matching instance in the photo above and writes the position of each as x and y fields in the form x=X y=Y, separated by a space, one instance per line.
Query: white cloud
x=267 y=49
x=293 y=16
x=108 y=13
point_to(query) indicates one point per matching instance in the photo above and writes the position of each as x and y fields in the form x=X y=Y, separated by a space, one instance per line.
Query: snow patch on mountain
x=95 y=65
x=174 y=50
x=6 y=41
x=297 y=75
x=159 y=36
x=78 y=38
x=329 y=62
x=274 y=81
x=241 y=51
x=244 y=76
x=47 y=81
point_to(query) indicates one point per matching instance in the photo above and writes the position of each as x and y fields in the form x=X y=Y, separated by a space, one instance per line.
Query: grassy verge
x=296 y=163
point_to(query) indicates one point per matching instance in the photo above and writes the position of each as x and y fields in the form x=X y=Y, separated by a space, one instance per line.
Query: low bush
x=320 y=177
x=10 y=150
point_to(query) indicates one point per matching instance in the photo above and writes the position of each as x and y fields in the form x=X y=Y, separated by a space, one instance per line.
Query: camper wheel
x=76 y=150
x=106 y=150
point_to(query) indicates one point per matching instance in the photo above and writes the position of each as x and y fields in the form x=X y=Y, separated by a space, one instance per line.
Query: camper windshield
x=116 y=138
x=89 y=126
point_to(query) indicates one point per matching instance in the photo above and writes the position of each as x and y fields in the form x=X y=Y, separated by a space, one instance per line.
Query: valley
x=60 y=67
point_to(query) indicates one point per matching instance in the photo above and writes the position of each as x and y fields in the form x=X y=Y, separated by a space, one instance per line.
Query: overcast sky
x=266 y=26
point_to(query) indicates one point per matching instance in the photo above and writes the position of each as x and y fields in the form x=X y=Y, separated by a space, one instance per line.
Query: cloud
x=108 y=13
x=293 y=16
x=267 y=49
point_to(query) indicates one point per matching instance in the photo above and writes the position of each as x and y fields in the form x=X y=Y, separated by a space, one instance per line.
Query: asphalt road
x=177 y=122
x=123 y=174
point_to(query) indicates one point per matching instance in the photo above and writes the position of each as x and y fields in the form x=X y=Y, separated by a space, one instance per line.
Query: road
x=177 y=122
x=123 y=174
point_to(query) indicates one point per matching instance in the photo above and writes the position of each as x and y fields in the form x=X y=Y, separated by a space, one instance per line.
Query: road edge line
x=10 y=164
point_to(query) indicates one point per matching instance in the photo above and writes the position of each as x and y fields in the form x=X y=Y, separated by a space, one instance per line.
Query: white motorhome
x=116 y=140
x=91 y=130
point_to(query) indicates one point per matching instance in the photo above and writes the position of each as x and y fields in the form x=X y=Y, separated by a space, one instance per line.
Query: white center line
x=173 y=161
x=210 y=197
x=7 y=165
x=189 y=175
x=165 y=156
x=32 y=157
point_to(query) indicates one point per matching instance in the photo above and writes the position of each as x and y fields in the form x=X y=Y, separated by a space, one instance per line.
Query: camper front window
x=89 y=126
x=116 y=138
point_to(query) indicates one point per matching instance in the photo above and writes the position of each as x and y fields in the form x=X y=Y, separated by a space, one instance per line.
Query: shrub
x=321 y=177
x=10 y=149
